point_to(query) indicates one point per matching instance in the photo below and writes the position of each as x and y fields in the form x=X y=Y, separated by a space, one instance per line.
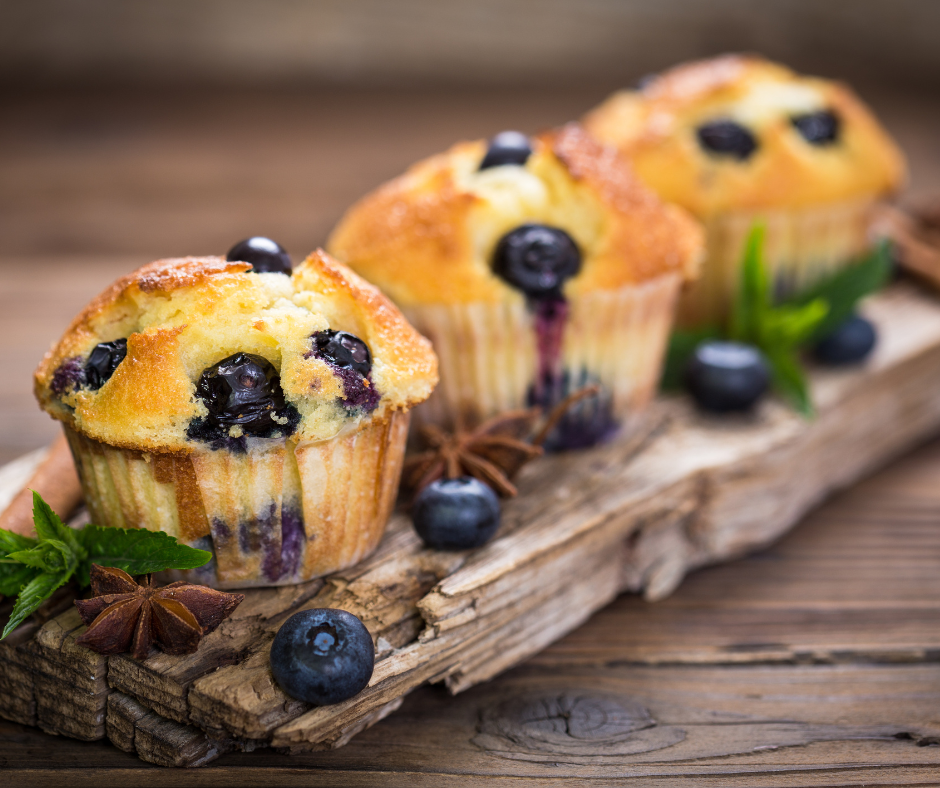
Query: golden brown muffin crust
x=428 y=235
x=180 y=316
x=655 y=128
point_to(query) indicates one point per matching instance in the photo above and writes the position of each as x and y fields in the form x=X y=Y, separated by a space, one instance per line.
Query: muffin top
x=457 y=227
x=739 y=133
x=199 y=352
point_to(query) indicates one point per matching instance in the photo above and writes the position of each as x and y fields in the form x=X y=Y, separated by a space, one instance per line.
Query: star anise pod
x=126 y=616
x=493 y=452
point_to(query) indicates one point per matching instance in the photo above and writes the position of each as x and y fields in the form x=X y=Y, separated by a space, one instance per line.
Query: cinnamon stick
x=56 y=480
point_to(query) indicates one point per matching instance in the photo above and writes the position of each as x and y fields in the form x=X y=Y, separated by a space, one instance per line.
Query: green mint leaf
x=51 y=555
x=682 y=344
x=139 y=551
x=34 y=593
x=14 y=576
x=36 y=557
x=843 y=290
x=790 y=326
x=790 y=381
x=12 y=542
x=50 y=526
x=754 y=296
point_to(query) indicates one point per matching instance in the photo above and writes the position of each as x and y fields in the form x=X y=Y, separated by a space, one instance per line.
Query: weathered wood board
x=631 y=516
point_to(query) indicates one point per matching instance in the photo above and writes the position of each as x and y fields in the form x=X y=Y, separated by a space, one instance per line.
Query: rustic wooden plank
x=430 y=741
x=857 y=580
x=606 y=520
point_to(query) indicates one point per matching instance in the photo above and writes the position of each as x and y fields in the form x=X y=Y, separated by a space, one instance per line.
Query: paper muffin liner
x=490 y=361
x=278 y=514
x=800 y=248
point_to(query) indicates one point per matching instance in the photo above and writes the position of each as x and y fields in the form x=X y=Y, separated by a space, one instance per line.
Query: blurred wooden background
x=493 y=43
x=134 y=130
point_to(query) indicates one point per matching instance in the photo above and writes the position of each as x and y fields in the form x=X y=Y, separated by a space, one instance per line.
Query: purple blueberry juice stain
x=252 y=533
x=293 y=537
x=550 y=318
x=350 y=359
x=70 y=374
x=538 y=260
x=358 y=391
x=589 y=421
x=221 y=533
x=282 y=556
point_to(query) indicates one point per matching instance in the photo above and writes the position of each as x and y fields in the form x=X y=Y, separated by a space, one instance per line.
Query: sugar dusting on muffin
x=738 y=132
x=181 y=317
x=536 y=266
x=429 y=235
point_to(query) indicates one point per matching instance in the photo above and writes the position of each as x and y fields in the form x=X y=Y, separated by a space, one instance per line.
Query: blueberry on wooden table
x=266 y=256
x=344 y=350
x=243 y=389
x=322 y=656
x=507 y=147
x=818 y=128
x=727 y=138
x=724 y=377
x=849 y=343
x=103 y=361
x=456 y=514
x=537 y=259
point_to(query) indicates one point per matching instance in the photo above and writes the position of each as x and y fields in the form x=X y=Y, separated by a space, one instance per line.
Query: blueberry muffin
x=536 y=267
x=738 y=139
x=262 y=416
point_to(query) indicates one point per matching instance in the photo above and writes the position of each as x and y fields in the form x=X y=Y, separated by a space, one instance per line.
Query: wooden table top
x=814 y=662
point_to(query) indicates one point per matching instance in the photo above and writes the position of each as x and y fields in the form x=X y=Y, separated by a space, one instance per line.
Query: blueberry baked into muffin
x=738 y=139
x=536 y=266
x=262 y=416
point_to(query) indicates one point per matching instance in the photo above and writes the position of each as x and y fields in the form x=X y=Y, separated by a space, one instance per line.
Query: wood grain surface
x=812 y=663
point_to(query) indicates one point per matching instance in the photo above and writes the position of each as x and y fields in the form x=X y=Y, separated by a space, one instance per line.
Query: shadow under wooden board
x=635 y=515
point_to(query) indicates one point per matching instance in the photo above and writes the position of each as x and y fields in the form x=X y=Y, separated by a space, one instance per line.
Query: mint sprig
x=35 y=568
x=781 y=329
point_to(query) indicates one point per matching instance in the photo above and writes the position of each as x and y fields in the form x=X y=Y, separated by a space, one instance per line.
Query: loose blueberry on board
x=507 y=147
x=456 y=514
x=850 y=343
x=266 y=256
x=727 y=138
x=537 y=259
x=345 y=350
x=102 y=362
x=243 y=389
x=727 y=376
x=818 y=128
x=322 y=656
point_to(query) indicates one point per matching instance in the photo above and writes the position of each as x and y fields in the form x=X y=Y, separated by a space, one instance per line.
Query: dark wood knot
x=573 y=726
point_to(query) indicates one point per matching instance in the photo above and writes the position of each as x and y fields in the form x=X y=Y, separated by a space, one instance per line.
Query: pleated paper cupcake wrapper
x=279 y=514
x=488 y=357
x=800 y=248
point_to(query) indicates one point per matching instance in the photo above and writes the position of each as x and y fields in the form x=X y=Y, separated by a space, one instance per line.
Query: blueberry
x=70 y=374
x=727 y=138
x=344 y=350
x=322 y=656
x=848 y=343
x=537 y=259
x=102 y=362
x=818 y=128
x=456 y=514
x=243 y=389
x=507 y=147
x=726 y=376
x=266 y=256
